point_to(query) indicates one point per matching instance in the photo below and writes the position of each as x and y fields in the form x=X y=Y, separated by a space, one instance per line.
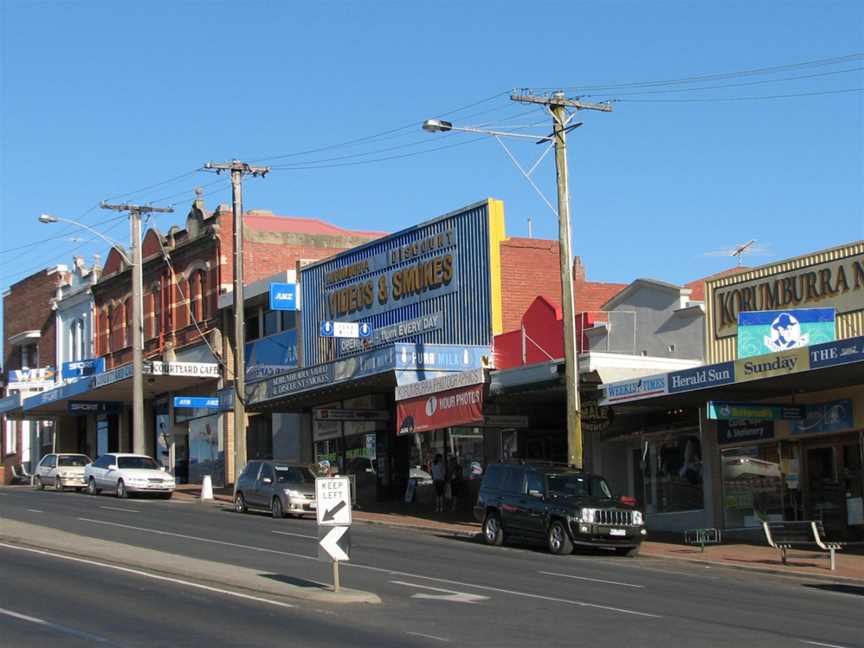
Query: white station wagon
x=125 y=473
x=61 y=470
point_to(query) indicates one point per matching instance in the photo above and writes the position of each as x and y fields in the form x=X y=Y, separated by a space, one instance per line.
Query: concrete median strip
x=227 y=579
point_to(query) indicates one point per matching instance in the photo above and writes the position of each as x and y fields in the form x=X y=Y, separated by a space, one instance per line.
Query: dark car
x=280 y=487
x=557 y=505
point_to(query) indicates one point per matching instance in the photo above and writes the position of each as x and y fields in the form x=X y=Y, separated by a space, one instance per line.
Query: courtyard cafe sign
x=838 y=283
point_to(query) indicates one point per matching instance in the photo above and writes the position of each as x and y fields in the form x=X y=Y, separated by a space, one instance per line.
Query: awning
x=375 y=371
x=819 y=367
x=10 y=405
x=116 y=386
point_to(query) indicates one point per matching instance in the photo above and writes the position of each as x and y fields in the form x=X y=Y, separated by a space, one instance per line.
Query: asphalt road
x=434 y=590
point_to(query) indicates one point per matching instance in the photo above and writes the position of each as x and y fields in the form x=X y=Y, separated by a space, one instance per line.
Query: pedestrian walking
x=439 y=480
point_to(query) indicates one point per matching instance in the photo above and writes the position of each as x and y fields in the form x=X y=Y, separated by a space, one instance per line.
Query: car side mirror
x=112 y=467
x=536 y=493
x=162 y=468
x=266 y=480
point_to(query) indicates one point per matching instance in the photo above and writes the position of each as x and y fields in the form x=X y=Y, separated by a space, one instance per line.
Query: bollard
x=207 y=488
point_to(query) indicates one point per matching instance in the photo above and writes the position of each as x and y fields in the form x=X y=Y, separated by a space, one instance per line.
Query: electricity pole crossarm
x=557 y=104
x=139 y=445
x=556 y=100
x=238 y=169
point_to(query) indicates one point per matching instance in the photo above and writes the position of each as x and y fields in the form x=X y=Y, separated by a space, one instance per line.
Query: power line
x=778 y=96
x=738 y=85
x=51 y=238
x=856 y=56
x=153 y=186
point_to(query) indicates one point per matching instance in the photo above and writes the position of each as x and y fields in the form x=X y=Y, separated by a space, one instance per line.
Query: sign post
x=333 y=500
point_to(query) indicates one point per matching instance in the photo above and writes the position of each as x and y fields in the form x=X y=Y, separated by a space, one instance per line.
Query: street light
x=560 y=127
x=138 y=324
x=50 y=218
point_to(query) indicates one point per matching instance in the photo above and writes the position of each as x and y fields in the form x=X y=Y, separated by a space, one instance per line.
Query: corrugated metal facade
x=466 y=312
x=849 y=324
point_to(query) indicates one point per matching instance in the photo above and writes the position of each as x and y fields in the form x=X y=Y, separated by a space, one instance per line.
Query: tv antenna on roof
x=741 y=249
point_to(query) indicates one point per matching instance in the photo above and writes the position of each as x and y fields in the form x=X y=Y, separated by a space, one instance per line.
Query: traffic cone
x=207 y=488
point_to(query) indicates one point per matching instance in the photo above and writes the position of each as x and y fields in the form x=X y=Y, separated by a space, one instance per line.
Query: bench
x=19 y=475
x=789 y=535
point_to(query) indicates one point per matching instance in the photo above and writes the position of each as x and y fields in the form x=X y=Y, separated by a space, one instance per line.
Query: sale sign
x=444 y=409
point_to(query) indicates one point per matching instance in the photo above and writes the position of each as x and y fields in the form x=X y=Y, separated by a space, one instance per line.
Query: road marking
x=57 y=626
x=35 y=511
x=594 y=580
x=448 y=595
x=817 y=643
x=117 y=508
x=211 y=541
x=428 y=636
x=296 y=535
x=488 y=588
x=138 y=572
x=390 y=572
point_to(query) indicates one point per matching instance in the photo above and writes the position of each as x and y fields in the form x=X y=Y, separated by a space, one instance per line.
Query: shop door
x=852 y=480
x=638 y=478
x=825 y=497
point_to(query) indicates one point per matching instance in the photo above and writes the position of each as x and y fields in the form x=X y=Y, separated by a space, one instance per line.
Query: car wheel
x=37 y=483
x=558 y=539
x=493 y=534
x=122 y=493
x=276 y=508
x=91 y=487
x=240 y=503
x=629 y=552
x=58 y=485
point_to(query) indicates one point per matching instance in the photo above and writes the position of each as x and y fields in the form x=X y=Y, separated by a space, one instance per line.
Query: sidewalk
x=850 y=563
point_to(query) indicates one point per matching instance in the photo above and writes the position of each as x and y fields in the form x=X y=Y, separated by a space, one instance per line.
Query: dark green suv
x=557 y=505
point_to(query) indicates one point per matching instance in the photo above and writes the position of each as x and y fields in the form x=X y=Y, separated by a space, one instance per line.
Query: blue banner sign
x=283 y=296
x=837 y=353
x=82 y=368
x=196 y=402
x=701 y=377
x=761 y=332
x=723 y=411
x=444 y=357
x=271 y=356
x=825 y=417
x=83 y=408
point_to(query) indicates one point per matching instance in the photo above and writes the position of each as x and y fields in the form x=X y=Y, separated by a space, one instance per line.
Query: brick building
x=29 y=349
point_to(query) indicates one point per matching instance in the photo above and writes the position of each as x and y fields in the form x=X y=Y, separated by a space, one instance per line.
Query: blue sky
x=100 y=99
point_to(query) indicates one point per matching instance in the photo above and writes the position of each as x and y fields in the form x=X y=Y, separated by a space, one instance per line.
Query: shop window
x=29 y=356
x=673 y=474
x=252 y=325
x=289 y=320
x=197 y=298
x=754 y=486
x=77 y=340
x=10 y=443
x=272 y=320
x=466 y=451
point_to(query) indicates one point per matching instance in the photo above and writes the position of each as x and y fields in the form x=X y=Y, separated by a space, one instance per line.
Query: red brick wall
x=529 y=268
x=27 y=307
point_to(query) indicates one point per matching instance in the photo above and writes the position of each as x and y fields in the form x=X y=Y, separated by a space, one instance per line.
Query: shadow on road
x=297 y=582
x=856 y=590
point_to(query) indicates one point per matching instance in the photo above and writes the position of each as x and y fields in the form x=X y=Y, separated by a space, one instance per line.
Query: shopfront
x=431 y=295
x=778 y=418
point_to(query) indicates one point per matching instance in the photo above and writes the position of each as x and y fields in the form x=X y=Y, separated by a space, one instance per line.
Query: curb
x=419 y=527
x=759 y=570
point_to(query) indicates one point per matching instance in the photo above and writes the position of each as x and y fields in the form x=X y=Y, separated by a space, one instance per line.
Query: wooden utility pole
x=135 y=211
x=238 y=169
x=557 y=105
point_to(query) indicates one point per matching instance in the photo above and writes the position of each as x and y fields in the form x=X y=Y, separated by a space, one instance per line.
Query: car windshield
x=579 y=486
x=137 y=462
x=294 y=474
x=72 y=460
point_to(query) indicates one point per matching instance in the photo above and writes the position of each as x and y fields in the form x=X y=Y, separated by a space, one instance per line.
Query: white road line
x=817 y=643
x=445 y=595
x=501 y=590
x=427 y=636
x=36 y=510
x=57 y=626
x=296 y=535
x=391 y=572
x=138 y=572
x=209 y=540
x=593 y=580
x=118 y=508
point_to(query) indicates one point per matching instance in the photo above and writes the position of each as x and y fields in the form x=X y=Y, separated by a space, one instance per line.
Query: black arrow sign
x=329 y=515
